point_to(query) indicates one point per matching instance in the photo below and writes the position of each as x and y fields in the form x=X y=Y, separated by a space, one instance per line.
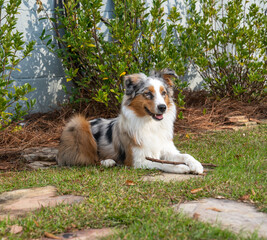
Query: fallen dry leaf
x=15 y=229
x=36 y=223
x=245 y=197
x=253 y=192
x=196 y=190
x=129 y=183
x=237 y=156
x=73 y=225
x=220 y=197
x=51 y=235
x=214 y=209
x=196 y=216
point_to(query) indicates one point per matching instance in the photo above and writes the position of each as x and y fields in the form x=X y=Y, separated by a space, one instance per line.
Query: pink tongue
x=159 y=116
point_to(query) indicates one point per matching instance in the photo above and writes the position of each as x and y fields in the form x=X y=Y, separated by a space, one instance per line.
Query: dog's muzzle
x=157 y=116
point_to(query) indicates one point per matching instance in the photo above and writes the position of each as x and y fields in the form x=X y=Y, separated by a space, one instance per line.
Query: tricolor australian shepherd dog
x=143 y=129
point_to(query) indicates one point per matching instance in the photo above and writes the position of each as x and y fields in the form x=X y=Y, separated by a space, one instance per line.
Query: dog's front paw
x=108 y=163
x=181 y=169
x=194 y=165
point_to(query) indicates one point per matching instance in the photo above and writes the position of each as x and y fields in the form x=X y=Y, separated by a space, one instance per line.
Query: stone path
x=170 y=177
x=235 y=216
x=19 y=202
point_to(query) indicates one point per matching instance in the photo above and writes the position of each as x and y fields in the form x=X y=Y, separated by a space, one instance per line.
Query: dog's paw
x=181 y=168
x=108 y=163
x=194 y=165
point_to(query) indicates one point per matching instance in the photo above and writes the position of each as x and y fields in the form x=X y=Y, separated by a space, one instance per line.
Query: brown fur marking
x=166 y=98
x=151 y=89
x=161 y=89
x=129 y=157
x=167 y=78
x=77 y=144
x=168 y=101
x=139 y=103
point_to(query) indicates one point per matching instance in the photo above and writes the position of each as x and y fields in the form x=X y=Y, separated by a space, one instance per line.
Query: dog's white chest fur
x=150 y=135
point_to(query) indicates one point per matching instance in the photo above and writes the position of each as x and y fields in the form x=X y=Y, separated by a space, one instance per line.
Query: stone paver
x=87 y=234
x=19 y=202
x=41 y=164
x=232 y=215
x=168 y=177
x=40 y=154
x=40 y=157
x=249 y=125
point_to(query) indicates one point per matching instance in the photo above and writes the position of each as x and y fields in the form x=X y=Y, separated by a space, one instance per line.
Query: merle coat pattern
x=144 y=128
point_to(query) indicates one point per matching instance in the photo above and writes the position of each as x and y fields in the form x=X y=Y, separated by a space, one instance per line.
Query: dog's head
x=149 y=95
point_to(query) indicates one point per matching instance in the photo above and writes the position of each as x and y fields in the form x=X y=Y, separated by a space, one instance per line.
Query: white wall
x=43 y=70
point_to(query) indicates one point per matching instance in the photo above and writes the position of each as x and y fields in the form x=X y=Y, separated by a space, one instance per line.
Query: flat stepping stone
x=234 y=216
x=19 y=202
x=242 y=121
x=40 y=154
x=248 y=125
x=41 y=165
x=87 y=234
x=237 y=119
x=168 y=177
x=40 y=157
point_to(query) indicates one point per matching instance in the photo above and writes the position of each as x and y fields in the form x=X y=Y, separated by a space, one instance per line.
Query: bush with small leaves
x=139 y=39
x=11 y=44
x=227 y=42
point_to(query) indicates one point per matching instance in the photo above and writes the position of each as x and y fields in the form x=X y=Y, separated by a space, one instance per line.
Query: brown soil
x=201 y=113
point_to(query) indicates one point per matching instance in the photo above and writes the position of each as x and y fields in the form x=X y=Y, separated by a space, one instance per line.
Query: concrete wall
x=43 y=70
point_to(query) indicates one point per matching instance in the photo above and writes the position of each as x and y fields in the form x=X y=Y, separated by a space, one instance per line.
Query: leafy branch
x=11 y=43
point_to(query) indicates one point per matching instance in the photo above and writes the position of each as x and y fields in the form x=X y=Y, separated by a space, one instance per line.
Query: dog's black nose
x=162 y=108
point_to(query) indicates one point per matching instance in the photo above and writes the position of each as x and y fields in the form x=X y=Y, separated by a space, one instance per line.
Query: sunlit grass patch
x=142 y=210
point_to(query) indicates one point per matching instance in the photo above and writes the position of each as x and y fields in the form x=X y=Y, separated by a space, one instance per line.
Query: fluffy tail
x=77 y=144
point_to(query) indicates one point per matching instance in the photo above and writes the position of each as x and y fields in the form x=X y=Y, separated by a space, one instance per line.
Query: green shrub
x=96 y=63
x=11 y=44
x=227 y=42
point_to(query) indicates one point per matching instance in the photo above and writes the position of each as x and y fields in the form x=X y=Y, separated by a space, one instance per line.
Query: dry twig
x=177 y=163
x=163 y=161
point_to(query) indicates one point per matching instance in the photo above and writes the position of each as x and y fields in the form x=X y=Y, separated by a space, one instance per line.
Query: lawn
x=143 y=210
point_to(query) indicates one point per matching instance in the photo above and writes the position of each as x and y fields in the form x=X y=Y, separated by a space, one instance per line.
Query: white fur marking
x=108 y=163
x=194 y=165
x=158 y=97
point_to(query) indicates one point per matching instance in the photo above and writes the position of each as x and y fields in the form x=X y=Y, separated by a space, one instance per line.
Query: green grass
x=143 y=211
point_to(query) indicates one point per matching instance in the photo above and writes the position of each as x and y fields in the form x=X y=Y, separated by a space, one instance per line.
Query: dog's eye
x=148 y=95
x=164 y=93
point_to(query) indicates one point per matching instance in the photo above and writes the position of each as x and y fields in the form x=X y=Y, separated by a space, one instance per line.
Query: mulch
x=201 y=113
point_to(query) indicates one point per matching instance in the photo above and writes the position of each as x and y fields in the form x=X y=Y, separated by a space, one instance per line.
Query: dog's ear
x=166 y=74
x=134 y=82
